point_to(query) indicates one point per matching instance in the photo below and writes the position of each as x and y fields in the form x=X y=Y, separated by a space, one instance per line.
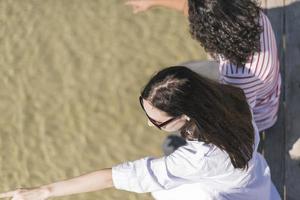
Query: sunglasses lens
x=159 y=126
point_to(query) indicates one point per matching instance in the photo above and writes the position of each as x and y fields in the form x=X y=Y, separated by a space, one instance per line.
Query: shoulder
x=190 y=157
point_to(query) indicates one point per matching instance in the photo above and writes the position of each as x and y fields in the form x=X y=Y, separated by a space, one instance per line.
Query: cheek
x=174 y=126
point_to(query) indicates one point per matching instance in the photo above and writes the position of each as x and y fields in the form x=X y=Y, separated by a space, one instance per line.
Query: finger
x=17 y=198
x=7 y=194
x=137 y=10
x=130 y=3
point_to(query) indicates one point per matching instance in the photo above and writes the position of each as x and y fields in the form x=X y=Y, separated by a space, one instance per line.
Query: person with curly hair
x=219 y=160
x=240 y=38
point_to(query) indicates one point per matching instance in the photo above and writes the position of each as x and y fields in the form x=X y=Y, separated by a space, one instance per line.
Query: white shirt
x=197 y=171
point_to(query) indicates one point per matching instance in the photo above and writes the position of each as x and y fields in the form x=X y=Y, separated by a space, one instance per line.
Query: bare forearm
x=180 y=5
x=85 y=183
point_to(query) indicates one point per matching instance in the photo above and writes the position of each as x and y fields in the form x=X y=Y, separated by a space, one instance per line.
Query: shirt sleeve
x=150 y=174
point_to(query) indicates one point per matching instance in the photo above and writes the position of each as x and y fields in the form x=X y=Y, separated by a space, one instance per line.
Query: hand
x=139 y=5
x=27 y=194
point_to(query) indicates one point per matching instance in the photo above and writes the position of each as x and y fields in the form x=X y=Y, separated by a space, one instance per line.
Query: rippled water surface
x=70 y=76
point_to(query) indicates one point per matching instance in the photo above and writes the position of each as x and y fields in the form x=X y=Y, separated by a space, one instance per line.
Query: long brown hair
x=219 y=113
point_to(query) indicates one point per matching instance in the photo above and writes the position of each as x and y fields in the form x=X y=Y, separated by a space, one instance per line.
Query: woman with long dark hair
x=219 y=161
x=239 y=36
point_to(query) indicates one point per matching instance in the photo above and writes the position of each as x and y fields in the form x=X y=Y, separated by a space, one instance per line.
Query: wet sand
x=71 y=72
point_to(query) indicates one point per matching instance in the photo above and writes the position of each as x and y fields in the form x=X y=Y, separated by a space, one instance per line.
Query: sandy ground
x=70 y=76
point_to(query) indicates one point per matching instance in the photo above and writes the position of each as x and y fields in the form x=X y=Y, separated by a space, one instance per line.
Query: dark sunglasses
x=159 y=125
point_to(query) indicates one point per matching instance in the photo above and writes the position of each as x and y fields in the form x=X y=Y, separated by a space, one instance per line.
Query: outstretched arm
x=85 y=183
x=143 y=5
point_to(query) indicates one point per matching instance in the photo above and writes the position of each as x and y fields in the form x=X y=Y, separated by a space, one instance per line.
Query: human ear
x=187 y=118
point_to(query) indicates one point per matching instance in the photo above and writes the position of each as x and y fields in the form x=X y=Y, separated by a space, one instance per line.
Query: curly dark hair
x=229 y=28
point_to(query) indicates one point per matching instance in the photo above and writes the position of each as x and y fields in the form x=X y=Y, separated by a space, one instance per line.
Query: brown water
x=70 y=76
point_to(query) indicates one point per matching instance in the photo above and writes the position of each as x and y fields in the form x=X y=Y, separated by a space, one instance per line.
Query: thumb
x=7 y=194
x=138 y=9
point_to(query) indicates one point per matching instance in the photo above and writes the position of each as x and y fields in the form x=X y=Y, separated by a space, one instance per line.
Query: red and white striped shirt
x=259 y=78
